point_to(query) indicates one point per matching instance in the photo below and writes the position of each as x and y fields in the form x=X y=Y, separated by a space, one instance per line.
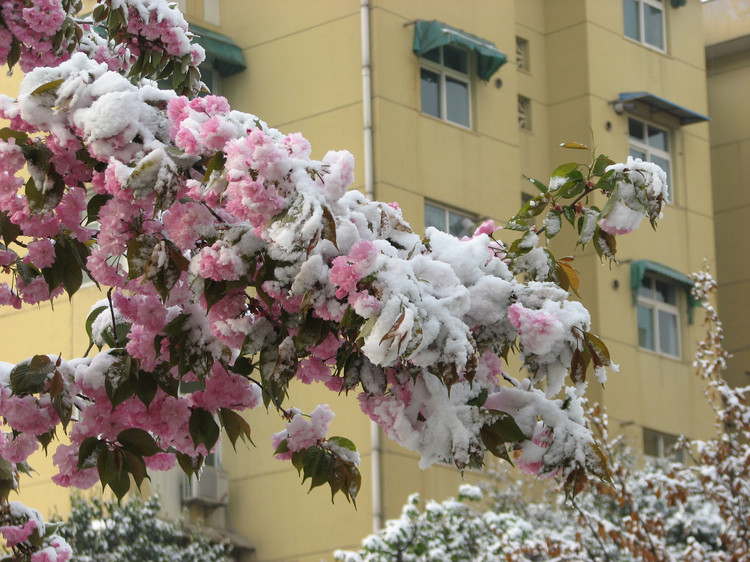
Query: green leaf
x=93 y=315
x=30 y=376
x=600 y=165
x=138 y=441
x=146 y=388
x=507 y=428
x=89 y=452
x=136 y=466
x=564 y=169
x=539 y=185
x=216 y=164
x=119 y=381
x=203 y=428
x=189 y=465
x=9 y=230
x=569 y=214
x=282 y=448
x=317 y=465
x=95 y=205
x=48 y=86
x=7 y=133
x=342 y=442
x=345 y=477
x=480 y=399
x=235 y=425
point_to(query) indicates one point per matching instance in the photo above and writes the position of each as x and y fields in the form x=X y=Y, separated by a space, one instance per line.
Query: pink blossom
x=344 y=275
x=301 y=433
x=365 y=304
x=160 y=461
x=41 y=253
x=15 y=535
x=539 y=331
x=18 y=448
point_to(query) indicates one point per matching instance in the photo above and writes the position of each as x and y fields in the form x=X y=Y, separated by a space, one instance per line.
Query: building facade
x=445 y=106
x=727 y=29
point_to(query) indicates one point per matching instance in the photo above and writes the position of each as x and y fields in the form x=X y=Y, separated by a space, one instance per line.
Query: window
x=658 y=316
x=445 y=219
x=445 y=84
x=650 y=144
x=644 y=22
x=524 y=113
x=522 y=54
x=661 y=446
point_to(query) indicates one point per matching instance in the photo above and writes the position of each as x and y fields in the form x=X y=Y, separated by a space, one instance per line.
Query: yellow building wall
x=727 y=31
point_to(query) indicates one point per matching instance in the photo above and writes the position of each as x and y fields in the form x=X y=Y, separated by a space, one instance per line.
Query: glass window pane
x=653 y=22
x=435 y=216
x=645 y=327
x=433 y=55
x=668 y=333
x=636 y=129
x=666 y=292
x=647 y=288
x=651 y=443
x=457 y=101
x=460 y=225
x=430 y=92
x=658 y=138
x=663 y=164
x=457 y=59
x=635 y=153
x=630 y=9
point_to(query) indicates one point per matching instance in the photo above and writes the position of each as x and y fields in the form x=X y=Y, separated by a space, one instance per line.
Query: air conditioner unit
x=211 y=489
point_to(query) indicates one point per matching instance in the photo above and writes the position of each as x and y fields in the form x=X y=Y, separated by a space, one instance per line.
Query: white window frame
x=641 y=145
x=445 y=72
x=448 y=212
x=662 y=450
x=656 y=306
x=641 y=39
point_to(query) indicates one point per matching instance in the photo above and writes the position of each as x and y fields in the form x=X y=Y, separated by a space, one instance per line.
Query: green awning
x=222 y=53
x=638 y=269
x=429 y=35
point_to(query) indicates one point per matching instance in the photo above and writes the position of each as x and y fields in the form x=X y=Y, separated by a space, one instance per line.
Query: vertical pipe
x=377 y=509
x=367 y=98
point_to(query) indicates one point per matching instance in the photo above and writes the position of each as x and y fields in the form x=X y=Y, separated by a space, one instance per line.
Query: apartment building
x=446 y=105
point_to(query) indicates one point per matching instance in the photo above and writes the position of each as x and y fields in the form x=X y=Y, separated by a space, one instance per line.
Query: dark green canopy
x=221 y=52
x=429 y=35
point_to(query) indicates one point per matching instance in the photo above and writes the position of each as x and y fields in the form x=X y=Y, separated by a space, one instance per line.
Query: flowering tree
x=657 y=513
x=232 y=260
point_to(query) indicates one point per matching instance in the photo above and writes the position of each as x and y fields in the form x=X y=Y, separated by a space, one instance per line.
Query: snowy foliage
x=660 y=512
x=233 y=260
x=108 y=531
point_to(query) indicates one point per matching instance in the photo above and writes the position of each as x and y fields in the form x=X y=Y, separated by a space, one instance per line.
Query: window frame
x=656 y=306
x=664 y=452
x=641 y=39
x=447 y=212
x=444 y=73
x=642 y=145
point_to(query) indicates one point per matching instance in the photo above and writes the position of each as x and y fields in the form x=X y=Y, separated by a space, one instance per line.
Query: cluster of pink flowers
x=223 y=240
x=33 y=25
x=301 y=433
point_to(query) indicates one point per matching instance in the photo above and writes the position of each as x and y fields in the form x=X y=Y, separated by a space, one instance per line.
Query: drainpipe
x=367 y=98
x=377 y=507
